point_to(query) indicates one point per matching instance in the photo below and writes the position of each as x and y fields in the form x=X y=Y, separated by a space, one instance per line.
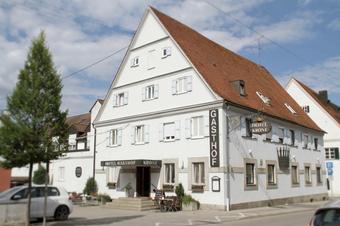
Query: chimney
x=323 y=95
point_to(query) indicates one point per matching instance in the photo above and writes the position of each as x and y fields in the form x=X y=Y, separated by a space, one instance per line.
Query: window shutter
x=146 y=134
x=114 y=101
x=133 y=135
x=160 y=132
x=336 y=152
x=126 y=97
x=275 y=136
x=206 y=125
x=143 y=93
x=174 y=87
x=243 y=126
x=286 y=137
x=178 y=130
x=156 y=90
x=188 y=128
x=310 y=141
x=188 y=83
x=119 y=138
x=110 y=137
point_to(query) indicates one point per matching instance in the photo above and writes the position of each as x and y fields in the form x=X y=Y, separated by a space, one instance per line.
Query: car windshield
x=9 y=192
x=328 y=217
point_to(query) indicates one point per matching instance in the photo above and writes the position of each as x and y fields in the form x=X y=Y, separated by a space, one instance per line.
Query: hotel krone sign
x=259 y=126
x=214 y=138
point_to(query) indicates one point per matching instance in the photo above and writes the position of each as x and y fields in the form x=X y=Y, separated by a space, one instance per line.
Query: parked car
x=328 y=215
x=58 y=204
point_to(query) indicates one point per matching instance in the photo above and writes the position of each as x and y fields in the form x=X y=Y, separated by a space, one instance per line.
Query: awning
x=136 y=162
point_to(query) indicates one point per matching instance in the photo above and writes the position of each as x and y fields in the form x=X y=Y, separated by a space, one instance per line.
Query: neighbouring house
x=327 y=116
x=5 y=175
x=73 y=169
x=184 y=109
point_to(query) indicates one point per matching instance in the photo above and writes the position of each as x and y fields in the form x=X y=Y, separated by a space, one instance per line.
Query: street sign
x=329 y=165
x=329 y=172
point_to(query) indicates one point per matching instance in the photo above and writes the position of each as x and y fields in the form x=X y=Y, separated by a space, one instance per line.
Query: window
x=197 y=127
x=248 y=130
x=135 y=61
x=115 y=137
x=169 y=131
x=139 y=134
x=72 y=147
x=269 y=135
x=166 y=52
x=61 y=173
x=305 y=141
x=120 y=99
x=306 y=109
x=290 y=108
x=169 y=173
x=242 y=88
x=150 y=92
x=332 y=153
x=292 y=137
x=318 y=175
x=281 y=134
x=295 y=175
x=271 y=174
x=182 y=85
x=250 y=174
x=265 y=99
x=308 y=175
x=316 y=143
x=199 y=174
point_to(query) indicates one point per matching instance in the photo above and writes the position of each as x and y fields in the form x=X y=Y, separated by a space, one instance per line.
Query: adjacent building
x=5 y=175
x=183 y=109
x=327 y=116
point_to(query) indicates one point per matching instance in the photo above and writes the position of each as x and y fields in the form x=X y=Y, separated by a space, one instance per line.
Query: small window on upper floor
x=120 y=99
x=166 y=51
x=150 y=92
x=290 y=108
x=264 y=98
x=135 y=61
x=306 y=108
x=239 y=86
x=181 y=85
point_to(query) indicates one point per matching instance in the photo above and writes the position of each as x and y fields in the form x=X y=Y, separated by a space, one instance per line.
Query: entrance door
x=143 y=181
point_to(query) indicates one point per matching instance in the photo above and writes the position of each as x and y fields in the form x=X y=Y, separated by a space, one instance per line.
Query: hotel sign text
x=214 y=138
x=260 y=127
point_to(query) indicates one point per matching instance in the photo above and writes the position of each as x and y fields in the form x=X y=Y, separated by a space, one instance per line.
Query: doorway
x=143 y=181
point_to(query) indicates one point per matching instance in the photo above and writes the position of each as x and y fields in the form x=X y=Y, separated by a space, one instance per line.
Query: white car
x=59 y=206
x=328 y=215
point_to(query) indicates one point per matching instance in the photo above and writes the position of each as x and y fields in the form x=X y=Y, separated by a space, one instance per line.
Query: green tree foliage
x=90 y=187
x=179 y=190
x=33 y=126
x=39 y=175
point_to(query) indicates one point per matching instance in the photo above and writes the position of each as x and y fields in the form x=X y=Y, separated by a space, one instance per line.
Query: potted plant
x=128 y=190
x=189 y=203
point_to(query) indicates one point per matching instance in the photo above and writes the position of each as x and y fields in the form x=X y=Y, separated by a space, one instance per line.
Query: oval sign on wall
x=78 y=171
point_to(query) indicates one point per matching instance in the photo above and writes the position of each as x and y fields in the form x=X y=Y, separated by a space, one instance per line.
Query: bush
x=104 y=197
x=39 y=175
x=179 y=190
x=90 y=187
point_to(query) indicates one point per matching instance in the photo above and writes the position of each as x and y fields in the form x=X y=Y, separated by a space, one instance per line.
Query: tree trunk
x=28 y=216
x=46 y=191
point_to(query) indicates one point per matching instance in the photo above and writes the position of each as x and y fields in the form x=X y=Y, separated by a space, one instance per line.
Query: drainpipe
x=227 y=164
x=94 y=152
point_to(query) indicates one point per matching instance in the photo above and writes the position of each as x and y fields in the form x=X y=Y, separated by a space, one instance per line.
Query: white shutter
x=133 y=140
x=188 y=128
x=310 y=142
x=156 y=87
x=110 y=137
x=206 y=126
x=285 y=136
x=126 y=98
x=160 y=132
x=188 y=83
x=146 y=134
x=275 y=135
x=288 y=137
x=119 y=138
x=243 y=127
x=115 y=100
x=143 y=93
x=173 y=87
x=178 y=130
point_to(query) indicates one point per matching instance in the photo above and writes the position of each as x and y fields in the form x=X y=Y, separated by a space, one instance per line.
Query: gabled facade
x=327 y=116
x=179 y=111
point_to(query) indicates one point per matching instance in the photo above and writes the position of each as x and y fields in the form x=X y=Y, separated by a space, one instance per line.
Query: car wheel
x=61 y=213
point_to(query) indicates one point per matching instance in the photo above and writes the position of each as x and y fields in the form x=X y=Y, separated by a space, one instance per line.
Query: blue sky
x=296 y=38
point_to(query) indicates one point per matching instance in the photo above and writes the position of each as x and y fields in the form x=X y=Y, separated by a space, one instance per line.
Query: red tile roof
x=330 y=108
x=220 y=66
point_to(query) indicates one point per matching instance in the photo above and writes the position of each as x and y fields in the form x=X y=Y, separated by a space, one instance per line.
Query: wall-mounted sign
x=78 y=171
x=138 y=162
x=216 y=184
x=214 y=138
x=259 y=126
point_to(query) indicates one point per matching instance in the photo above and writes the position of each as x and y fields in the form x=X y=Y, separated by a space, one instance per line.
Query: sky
x=299 y=38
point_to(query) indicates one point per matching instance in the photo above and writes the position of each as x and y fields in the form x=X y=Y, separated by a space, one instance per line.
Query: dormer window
x=264 y=98
x=306 y=108
x=240 y=86
x=135 y=62
x=166 y=52
x=290 y=108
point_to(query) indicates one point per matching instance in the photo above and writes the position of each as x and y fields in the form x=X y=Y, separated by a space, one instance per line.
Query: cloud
x=334 y=25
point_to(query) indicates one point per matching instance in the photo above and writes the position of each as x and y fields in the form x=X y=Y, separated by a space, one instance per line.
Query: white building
x=327 y=116
x=72 y=170
x=174 y=102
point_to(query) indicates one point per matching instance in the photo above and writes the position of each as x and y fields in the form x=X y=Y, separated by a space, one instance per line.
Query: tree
x=39 y=175
x=33 y=127
x=90 y=187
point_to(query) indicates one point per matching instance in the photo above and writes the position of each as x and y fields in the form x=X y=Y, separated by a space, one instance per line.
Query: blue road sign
x=329 y=172
x=329 y=165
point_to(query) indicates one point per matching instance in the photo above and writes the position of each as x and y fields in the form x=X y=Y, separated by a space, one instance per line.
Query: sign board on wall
x=214 y=138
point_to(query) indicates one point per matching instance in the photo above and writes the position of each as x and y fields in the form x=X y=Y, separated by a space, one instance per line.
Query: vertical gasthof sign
x=214 y=138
